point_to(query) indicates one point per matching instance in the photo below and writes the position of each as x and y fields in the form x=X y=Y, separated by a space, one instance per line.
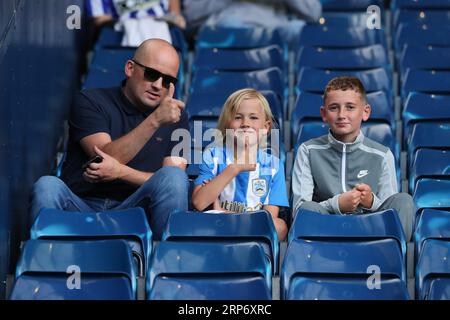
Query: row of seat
x=100 y=256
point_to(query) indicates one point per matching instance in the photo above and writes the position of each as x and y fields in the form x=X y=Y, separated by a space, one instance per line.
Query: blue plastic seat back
x=431 y=193
x=129 y=224
x=350 y=5
x=328 y=36
x=434 y=262
x=207 y=259
x=239 y=59
x=433 y=135
x=307 y=107
x=343 y=19
x=334 y=288
x=424 y=57
x=424 y=107
x=33 y=287
x=253 y=226
x=341 y=259
x=429 y=81
x=103 y=78
x=429 y=163
x=439 y=289
x=433 y=224
x=376 y=225
x=421 y=35
x=109 y=38
x=226 y=82
x=237 y=38
x=315 y=80
x=414 y=4
x=111 y=59
x=421 y=17
x=369 y=57
x=93 y=258
x=210 y=288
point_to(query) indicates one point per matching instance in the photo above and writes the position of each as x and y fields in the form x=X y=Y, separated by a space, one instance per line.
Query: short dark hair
x=345 y=83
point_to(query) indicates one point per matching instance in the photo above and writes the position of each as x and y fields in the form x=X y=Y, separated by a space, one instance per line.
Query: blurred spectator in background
x=288 y=16
x=138 y=19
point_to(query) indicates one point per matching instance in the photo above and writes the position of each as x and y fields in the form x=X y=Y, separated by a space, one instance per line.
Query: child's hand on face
x=245 y=159
x=349 y=201
x=366 y=195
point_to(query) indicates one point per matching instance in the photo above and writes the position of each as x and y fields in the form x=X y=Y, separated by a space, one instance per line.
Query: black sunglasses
x=152 y=75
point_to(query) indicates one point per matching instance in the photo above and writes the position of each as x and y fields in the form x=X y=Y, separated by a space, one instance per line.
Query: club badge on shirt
x=259 y=187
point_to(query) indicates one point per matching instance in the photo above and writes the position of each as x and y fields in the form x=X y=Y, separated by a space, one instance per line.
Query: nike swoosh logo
x=362 y=173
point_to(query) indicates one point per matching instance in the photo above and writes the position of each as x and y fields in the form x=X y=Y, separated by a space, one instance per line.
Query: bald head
x=159 y=51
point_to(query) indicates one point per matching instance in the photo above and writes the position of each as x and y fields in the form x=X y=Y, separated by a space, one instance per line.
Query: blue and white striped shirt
x=248 y=191
x=127 y=8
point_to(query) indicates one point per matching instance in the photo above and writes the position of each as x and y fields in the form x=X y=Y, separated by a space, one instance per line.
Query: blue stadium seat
x=240 y=227
x=109 y=38
x=420 y=17
x=237 y=38
x=328 y=36
x=196 y=270
x=429 y=163
x=424 y=107
x=310 y=225
x=316 y=266
x=426 y=58
x=226 y=82
x=425 y=34
x=129 y=224
x=105 y=266
x=414 y=4
x=312 y=288
x=433 y=270
x=350 y=5
x=369 y=57
x=315 y=80
x=431 y=193
x=111 y=59
x=307 y=107
x=343 y=19
x=239 y=59
x=429 y=81
x=433 y=224
x=432 y=135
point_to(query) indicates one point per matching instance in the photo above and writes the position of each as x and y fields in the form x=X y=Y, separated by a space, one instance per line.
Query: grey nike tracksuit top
x=325 y=167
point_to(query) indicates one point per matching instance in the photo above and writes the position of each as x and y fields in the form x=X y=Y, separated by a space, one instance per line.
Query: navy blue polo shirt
x=109 y=110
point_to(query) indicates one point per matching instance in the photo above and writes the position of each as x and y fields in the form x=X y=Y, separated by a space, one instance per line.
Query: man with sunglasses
x=128 y=129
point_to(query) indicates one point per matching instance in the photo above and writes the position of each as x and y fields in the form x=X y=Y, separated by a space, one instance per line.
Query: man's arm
x=126 y=147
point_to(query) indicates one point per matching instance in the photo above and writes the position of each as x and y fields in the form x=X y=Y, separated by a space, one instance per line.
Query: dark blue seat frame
x=130 y=225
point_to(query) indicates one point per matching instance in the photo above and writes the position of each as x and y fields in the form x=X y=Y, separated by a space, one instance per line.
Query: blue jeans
x=164 y=192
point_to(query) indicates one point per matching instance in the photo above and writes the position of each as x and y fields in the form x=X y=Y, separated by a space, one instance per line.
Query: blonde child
x=239 y=176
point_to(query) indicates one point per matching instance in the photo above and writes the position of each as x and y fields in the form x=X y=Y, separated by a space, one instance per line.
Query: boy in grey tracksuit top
x=345 y=172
